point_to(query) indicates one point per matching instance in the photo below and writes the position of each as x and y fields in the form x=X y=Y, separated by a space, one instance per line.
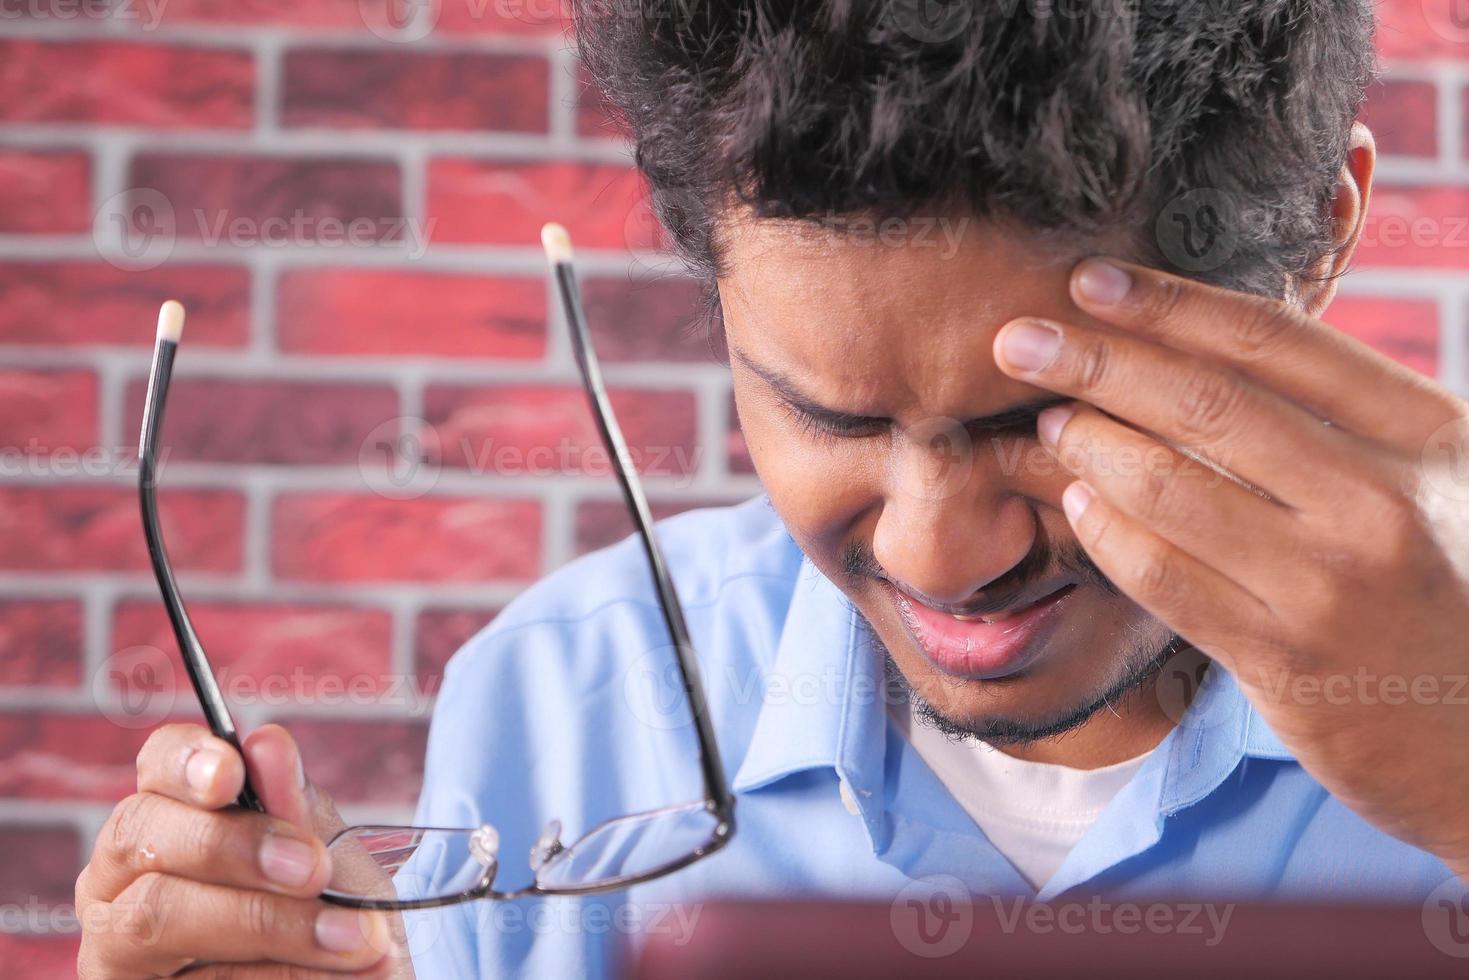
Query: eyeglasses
x=388 y=867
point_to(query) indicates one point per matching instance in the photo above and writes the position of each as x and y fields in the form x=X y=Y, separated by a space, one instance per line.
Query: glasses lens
x=411 y=864
x=631 y=847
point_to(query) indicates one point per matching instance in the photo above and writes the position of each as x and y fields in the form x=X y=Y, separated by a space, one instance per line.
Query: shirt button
x=848 y=800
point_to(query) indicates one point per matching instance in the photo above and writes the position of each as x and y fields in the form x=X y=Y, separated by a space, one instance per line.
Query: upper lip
x=996 y=605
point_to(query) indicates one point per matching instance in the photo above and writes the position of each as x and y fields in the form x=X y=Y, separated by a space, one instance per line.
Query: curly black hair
x=1088 y=119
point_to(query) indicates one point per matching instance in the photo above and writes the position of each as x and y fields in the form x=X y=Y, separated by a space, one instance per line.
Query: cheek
x=819 y=488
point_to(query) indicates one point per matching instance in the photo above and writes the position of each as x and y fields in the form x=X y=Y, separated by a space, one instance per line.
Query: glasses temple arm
x=716 y=787
x=211 y=699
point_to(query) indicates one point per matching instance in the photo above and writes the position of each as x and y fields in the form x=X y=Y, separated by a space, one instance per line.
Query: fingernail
x=1051 y=421
x=1102 y=282
x=286 y=861
x=1075 y=499
x=341 y=930
x=201 y=769
x=1030 y=345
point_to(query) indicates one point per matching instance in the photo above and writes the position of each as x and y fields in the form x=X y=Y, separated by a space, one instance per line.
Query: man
x=1093 y=562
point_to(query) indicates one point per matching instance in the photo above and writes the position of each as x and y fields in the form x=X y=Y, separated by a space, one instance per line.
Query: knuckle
x=1165 y=299
x=1210 y=401
x=1093 y=365
x=126 y=824
x=1156 y=576
x=148 y=893
x=203 y=837
x=1152 y=494
x=258 y=914
x=1260 y=330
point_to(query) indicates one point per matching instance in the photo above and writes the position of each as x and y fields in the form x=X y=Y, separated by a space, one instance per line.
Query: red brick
x=227 y=420
x=374 y=311
x=1426 y=227
x=1403 y=329
x=524 y=430
x=299 y=200
x=595 y=115
x=40 y=642
x=657 y=320
x=735 y=448
x=439 y=633
x=600 y=523
x=41 y=863
x=68 y=756
x=362 y=761
x=45 y=192
x=525 y=17
x=1403 y=117
x=48 y=955
x=1415 y=29
x=269 y=13
x=122 y=83
x=360 y=538
x=274 y=653
x=74 y=303
x=97 y=528
x=416 y=90
x=507 y=202
x=41 y=411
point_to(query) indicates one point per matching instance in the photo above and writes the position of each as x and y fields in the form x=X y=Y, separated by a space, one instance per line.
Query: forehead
x=885 y=311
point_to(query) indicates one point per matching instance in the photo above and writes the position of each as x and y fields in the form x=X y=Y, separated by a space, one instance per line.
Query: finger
x=1302 y=358
x=187 y=763
x=278 y=775
x=164 y=923
x=1197 y=602
x=383 y=970
x=151 y=833
x=1222 y=524
x=1203 y=407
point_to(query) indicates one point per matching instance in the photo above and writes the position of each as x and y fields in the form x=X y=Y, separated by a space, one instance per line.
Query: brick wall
x=145 y=148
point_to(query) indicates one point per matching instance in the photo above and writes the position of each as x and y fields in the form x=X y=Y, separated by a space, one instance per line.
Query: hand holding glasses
x=446 y=865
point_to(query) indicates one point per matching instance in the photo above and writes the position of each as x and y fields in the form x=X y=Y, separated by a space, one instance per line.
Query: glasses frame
x=718 y=800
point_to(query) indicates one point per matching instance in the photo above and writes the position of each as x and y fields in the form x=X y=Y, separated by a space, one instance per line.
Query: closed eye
x=823 y=423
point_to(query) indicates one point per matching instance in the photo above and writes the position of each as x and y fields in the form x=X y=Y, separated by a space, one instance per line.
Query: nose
x=949 y=533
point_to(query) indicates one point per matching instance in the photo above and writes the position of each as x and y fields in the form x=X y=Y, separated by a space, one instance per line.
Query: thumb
x=279 y=778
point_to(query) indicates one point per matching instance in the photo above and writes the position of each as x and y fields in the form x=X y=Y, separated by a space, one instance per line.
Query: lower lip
x=976 y=649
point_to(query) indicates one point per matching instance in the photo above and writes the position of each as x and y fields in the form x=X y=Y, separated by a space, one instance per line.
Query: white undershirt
x=1034 y=813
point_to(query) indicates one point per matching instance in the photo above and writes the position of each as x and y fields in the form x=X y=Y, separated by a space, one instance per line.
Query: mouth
x=982 y=646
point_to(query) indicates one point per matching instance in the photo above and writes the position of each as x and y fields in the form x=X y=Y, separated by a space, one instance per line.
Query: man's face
x=906 y=465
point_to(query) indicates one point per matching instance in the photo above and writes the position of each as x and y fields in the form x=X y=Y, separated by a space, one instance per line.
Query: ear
x=1349 y=216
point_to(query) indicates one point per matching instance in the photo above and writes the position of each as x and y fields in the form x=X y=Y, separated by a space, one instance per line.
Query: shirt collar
x=823 y=707
x=823 y=700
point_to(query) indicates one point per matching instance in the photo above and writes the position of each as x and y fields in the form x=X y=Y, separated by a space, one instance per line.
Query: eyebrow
x=1011 y=418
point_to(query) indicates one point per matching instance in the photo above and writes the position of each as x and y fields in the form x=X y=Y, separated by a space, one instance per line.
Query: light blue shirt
x=566 y=707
